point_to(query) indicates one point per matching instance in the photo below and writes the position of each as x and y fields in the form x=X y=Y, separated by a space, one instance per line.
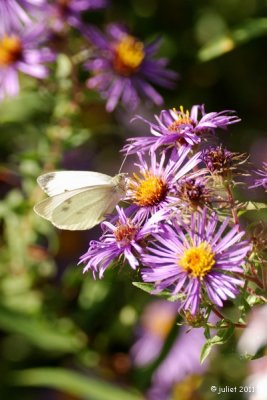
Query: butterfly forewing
x=54 y=183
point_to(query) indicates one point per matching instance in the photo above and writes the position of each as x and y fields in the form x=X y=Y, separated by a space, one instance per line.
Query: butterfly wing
x=46 y=207
x=54 y=183
x=86 y=209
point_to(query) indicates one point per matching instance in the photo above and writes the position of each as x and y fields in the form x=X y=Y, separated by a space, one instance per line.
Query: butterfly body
x=79 y=200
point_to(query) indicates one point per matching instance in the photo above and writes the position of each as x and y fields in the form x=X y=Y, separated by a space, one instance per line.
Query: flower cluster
x=124 y=68
x=173 y=229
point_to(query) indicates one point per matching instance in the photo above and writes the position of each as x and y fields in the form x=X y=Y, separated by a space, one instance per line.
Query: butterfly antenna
x=123 y=161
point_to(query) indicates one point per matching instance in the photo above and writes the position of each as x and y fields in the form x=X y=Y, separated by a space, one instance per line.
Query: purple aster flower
x=262 y=181
x=124 y=68
x=62 y=11
x=124 y=239
x=154 y=187
x=198 y=259
x=181 y=127
x=13 y=13
x=19 y=51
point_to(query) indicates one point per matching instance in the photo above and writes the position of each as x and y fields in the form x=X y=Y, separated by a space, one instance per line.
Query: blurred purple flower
x=253 y=340
x=256 y=379
x=180 y=128
x=156 y=322
x=254 y=337
x=13 y=13
x=124 y=239
x=154 y=187
x=123 y=66
x=193 y=258
x=19 y=51
x=262 y=181
x=181 y=363
x=183 y=359
x=61 y=11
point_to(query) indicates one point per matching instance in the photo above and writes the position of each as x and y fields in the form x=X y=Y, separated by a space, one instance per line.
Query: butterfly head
x=120 y=181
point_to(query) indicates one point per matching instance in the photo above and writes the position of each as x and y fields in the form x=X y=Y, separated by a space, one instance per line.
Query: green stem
x=232 y=202
x=250 y=278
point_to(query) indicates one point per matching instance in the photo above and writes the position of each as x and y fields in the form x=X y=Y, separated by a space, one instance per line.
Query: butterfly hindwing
x=46 y=207
x=85 y=209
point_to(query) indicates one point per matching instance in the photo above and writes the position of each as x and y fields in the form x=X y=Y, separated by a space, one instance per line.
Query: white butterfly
x=79 y=200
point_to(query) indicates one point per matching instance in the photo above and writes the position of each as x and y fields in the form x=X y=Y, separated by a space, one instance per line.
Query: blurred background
x=64 y=335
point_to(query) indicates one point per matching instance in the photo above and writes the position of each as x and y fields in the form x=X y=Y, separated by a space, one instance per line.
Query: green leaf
x=253 y=300
x=149 y=288
x=252 y=205
x=72 y=383
x=249 y=30
x=259 y=354
x=222 y=337
x=47 y=336
x=146 y=287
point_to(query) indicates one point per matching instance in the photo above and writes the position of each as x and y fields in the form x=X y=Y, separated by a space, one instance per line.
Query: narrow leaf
x=149 y=288
x=41 y=333
x=72 y=383
x=249 y=30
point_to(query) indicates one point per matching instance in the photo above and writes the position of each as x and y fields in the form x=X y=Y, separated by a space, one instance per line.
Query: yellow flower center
x=148 y=190
x=187 y=388
x=198 y=261
x=129 y=54
x=125 y=233
x=161 y=325
x=182 y=118
x=10 y=50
